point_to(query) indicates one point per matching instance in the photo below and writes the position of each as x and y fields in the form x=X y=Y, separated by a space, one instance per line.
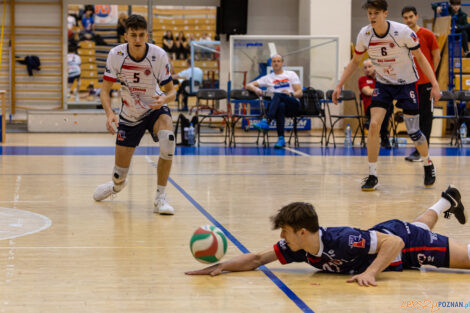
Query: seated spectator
x=169 y=44
x=366 y=87
x=286 y=90
x=182 y=46
x=121 y=27
x=195 y=73
x=461 y=24
x=87 y=24
x=74 y=71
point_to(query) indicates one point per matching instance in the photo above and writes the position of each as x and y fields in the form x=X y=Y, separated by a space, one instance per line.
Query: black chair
x=463 y=96
x=447 y=95
x=189 y=92
x=212 y=98
x=345 y=95
x=312 y=105
x=241 y=98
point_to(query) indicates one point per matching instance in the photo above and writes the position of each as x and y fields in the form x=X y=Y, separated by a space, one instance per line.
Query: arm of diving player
x=429 y=72
x=348 y=71
x=245 y=262
x=388 y=247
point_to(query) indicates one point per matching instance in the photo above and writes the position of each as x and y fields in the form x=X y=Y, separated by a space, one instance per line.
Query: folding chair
x=447 y=95
x=212 y=97
x=463 y=95
x=310 y=108
x=345 y=95
x=241 y=99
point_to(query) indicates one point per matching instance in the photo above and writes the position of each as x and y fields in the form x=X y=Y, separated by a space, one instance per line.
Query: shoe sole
x=409 y=160
x=428 y=186
x=370 y=189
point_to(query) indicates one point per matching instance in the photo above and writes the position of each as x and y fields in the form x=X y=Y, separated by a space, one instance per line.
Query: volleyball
x=208 y=244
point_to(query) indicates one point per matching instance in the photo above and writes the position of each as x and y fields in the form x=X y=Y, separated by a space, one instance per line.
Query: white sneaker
x=162 y=206
x=105 y=190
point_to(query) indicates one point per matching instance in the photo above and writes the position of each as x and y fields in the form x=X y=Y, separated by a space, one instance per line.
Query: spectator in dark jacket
x=461 y=24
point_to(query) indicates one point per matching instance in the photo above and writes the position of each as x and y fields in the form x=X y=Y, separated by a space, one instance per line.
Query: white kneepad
x=119 y=177
x=167 y=144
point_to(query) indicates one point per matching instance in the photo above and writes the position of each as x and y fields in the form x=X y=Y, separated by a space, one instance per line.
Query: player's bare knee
x=412 y=128
x=374 y=128
x=167 y=144
x=119 y=177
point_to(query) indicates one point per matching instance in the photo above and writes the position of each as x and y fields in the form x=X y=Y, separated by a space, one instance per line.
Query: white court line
x=17 y=191
x=297 y=151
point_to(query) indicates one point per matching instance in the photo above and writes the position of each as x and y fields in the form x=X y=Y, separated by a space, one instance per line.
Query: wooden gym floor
x=63 y=252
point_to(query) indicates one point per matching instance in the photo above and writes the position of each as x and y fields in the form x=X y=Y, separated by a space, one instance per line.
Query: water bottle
x=191 y=137
x=463 y=133
x=186 y=134
x=347 y=136
x=401 y=142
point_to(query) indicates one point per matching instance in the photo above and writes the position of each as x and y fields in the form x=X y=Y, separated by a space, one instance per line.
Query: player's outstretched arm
x=429 y=72
x=245 y=262
x=348 y=71
x=388 y=247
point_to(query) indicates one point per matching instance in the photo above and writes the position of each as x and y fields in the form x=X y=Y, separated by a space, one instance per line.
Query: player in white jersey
x=391 y=47
x=146 y=87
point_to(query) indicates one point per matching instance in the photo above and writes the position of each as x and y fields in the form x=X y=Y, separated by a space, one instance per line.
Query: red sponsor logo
x=147 y=72
x=392 y=45
x=360 y=244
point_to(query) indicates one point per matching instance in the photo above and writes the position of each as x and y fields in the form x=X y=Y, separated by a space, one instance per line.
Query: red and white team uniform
x=140 y=79
x=391 y=53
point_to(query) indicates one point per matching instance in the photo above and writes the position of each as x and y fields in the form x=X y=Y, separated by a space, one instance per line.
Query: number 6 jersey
x=391 y=53
x=140 y=79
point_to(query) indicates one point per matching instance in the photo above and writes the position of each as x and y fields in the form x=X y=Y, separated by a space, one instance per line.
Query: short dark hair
x=297 y=215
x=409 y=9
x=455 y=2
x=380 y=5
x=135 y=22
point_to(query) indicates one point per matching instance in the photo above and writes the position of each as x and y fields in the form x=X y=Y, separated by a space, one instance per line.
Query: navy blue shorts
x=422 y=246
x=130 y=136
x=406 y=96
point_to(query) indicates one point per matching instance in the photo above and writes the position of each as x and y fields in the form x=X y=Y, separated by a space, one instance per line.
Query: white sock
x=373 y=168
x=160 y=190
x=440 y=206
x=427 y=160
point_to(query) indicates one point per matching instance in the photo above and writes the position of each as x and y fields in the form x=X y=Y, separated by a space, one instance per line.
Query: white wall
x=265 y=17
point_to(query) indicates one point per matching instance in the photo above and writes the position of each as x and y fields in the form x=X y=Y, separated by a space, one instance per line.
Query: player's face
x=292 y=238
x=410 y=19
x=136 y=37
x=369 y=68
x=277 y=63
x=376 y=17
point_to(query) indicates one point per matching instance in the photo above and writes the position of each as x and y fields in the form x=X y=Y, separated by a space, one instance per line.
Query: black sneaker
x=370 y=183
x=385 y=143
x=452 y=195
x=414 y=157
x=429 y=175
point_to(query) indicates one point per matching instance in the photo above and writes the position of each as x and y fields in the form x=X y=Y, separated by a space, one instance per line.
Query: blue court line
x=219 y=150
x=289 y=293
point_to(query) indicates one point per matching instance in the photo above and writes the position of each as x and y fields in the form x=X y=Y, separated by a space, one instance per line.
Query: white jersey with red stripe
x=140 y=79
x=390 y=53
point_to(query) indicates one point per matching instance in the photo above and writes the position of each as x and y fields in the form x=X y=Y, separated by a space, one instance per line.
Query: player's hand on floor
x=158 y=102
x=213 y=270
x=363 y=279
x=112 y=123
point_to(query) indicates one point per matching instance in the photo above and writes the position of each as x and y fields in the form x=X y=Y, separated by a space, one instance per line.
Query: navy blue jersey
x=348 y=250
x=343 y=250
